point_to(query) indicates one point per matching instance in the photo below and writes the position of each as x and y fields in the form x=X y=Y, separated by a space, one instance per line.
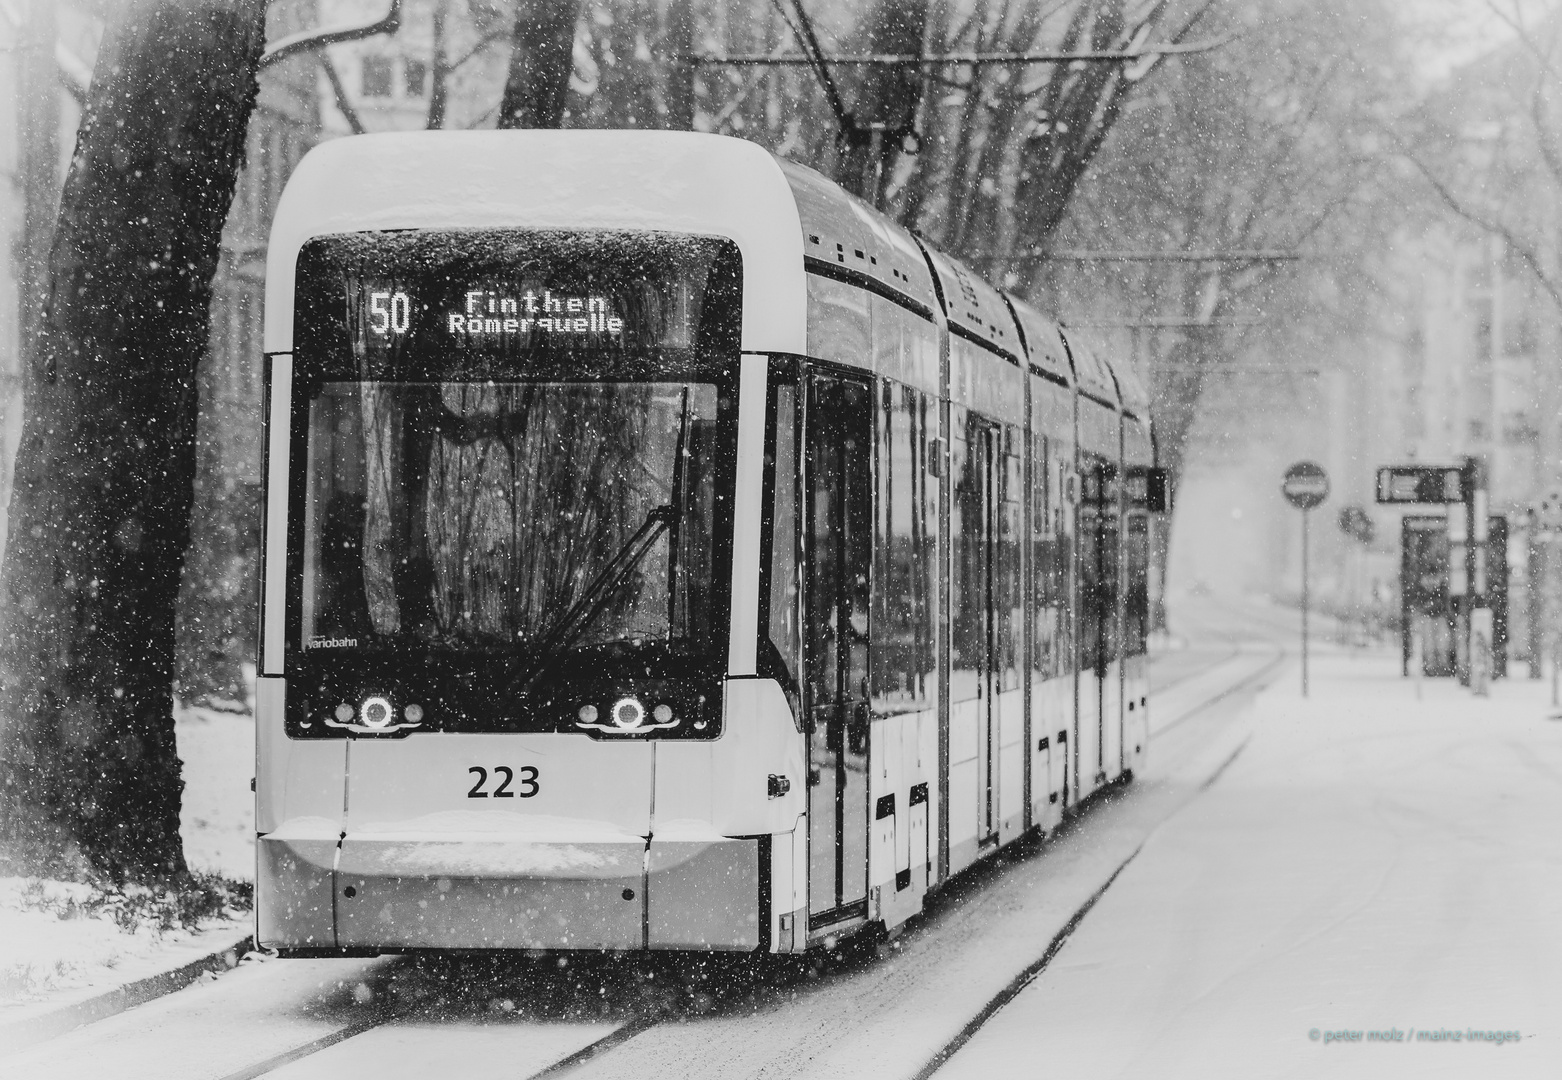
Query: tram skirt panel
x=964 y=743
x=1088 y=756
x=1112 y=724
x=1011 y=764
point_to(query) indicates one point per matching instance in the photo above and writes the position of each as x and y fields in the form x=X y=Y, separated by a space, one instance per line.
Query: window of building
x=376 y=76
x=414 y=77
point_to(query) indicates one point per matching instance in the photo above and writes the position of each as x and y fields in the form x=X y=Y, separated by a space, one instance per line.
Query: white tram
x=663 y=550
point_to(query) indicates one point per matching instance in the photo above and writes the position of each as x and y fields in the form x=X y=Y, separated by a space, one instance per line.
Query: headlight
x=376 y=712
x=628 y=713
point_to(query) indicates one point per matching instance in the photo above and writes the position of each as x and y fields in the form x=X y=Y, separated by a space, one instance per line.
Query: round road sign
x=1305 y=485
x=1549 y=509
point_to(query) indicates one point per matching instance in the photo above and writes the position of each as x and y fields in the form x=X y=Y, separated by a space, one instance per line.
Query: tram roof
x=686 y=182
x=1043 y=343
x=1131 y=389
x=975 y=307
x=842 y=233
x=1092 y=374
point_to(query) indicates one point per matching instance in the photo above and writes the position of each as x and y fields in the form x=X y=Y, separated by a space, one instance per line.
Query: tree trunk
x=100 y=517
x=541 y=61
x=1080 y=106
x=679 y=42
x=39 y=167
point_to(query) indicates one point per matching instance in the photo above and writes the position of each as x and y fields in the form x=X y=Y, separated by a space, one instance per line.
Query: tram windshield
x=485 y=514
x=516 y=444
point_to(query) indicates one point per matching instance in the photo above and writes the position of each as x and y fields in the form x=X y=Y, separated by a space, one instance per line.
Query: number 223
x=528 y=784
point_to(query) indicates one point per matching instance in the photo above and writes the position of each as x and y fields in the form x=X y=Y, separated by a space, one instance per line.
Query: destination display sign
x=1420 y=484
x=1306 y=485
x=381 y=313
x=491 y=313
x=481 y=304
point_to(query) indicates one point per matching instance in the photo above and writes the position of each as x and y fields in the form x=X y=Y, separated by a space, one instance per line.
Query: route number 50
x=390 y=312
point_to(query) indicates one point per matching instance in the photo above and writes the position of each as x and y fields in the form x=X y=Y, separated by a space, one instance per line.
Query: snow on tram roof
x=1092 y=374
x=841 y=232
x=673 y=181
x=1131 y=388
x=1043 y=342
x=974 y=306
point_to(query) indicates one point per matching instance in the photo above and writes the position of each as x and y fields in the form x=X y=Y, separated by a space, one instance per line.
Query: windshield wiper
x=593 y=601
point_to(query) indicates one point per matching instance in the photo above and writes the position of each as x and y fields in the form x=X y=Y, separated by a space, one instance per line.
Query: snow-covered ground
x=44 y=957
x=217 y=819
x=1373 y=888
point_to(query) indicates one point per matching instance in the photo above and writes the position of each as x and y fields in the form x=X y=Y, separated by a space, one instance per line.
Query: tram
x=663 y=550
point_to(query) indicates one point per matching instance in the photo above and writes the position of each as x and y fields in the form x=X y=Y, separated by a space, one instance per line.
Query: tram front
x=509 y=530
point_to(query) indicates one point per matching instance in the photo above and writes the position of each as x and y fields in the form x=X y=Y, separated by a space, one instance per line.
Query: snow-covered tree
x=100 y=516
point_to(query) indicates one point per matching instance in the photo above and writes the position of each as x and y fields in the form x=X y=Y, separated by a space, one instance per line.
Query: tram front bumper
x=386 y=892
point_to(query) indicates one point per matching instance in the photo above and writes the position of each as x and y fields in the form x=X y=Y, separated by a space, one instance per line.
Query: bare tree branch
x=339 y=92
x=309 y=40
x=1494 y=225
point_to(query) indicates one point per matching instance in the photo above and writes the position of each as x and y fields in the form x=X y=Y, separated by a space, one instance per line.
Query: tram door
x=838 y=481
x=973 y=646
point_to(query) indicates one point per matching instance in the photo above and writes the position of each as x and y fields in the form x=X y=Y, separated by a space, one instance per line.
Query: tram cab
x=662 y=551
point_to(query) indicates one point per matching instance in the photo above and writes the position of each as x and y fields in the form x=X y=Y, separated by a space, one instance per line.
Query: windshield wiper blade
x=573 y=623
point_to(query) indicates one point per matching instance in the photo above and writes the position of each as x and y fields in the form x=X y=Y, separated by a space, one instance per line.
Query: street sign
x=1305 y=485
x=1148 y=489
x=1548 y=511
x=1420 y=484
x=1357 y=524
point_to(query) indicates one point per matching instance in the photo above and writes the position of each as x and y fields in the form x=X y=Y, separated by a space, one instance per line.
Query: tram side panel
x=1112 y=571
x=720 y=855
x=873 y=778
x=1139 y=458
x=299 y=786
x=1052 y=659
x=905 y=617
x=1100 y=672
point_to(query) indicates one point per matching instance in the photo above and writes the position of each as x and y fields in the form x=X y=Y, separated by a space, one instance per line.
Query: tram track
x=599 y=1017
x=1034 y=970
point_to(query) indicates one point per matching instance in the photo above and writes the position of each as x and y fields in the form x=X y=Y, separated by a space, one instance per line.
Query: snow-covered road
x=1373 y=873
x=1367 y=862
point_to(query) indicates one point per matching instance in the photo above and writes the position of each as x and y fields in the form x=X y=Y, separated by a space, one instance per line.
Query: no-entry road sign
x=1305 y=485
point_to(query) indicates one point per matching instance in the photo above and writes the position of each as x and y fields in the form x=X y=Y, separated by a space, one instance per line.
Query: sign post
x=1305 y=486
x=1448 y=485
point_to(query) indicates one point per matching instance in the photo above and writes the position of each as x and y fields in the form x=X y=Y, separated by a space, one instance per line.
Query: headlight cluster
x=628 y=716
x=374 y=714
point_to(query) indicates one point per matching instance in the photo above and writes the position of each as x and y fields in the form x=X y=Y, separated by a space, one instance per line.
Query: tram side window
x=902 y=667
x=1136 y=550
x=839 y=462
x=1111 y=565
x=968 y=551
x=1090 y=542
x=1008 y=586
x=1065 y=530
x=1049 y=571
x=779 y=652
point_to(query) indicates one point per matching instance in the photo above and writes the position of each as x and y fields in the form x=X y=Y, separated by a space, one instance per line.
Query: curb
x=18 y=1035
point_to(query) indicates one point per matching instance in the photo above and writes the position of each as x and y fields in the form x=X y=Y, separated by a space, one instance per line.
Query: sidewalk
x=1372 y=877
x=58 y=973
